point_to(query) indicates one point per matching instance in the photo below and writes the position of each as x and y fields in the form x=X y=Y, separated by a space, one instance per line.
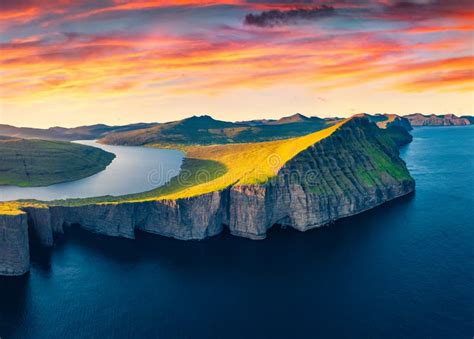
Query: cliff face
x=355 y=169
x=418 y=119
x=399 y=135
x=386 y=120
x=401 y=122
x=14 y=246
x=394 y=126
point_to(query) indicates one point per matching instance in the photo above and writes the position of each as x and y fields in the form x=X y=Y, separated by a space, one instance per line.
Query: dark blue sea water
x=404 y=270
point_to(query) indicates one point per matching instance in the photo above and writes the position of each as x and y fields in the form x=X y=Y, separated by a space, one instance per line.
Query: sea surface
x=134 y=169
x=403 y=270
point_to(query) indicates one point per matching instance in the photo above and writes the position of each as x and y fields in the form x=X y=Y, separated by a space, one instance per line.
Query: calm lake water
x=134 y=169
x=404 y=270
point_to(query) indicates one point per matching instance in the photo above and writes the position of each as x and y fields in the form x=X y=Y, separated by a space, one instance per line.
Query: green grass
x=365 y=176
x=381 y=161
x=385 y=164
x=42 y=163
x=247 y=164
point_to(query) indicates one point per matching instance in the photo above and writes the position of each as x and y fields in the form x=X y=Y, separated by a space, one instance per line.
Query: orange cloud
x=437 y=29
x=83 y=64
x=224 y=58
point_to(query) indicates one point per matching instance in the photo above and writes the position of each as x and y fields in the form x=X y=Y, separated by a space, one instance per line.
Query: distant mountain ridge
x=61 y=133
x=207 y=130
x=204 y=130
x=295 y=118
x=418 y=119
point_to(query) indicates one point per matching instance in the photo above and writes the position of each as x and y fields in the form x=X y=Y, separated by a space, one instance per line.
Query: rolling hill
x=67 y=134
x=41 y=163
x=204 y=130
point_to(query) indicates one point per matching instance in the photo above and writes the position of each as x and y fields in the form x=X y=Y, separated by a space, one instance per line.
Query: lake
x=403 y=270
x=134 y=170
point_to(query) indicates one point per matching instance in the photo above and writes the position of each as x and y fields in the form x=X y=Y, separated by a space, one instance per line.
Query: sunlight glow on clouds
x=80 y=62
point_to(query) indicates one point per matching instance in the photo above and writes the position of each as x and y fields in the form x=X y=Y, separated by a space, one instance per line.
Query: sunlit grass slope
x=15 y=207
x=245 y=164
x=10 y=208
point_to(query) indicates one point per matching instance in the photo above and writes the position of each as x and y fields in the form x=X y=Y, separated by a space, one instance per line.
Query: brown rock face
x=418 y=119
x=353 y=170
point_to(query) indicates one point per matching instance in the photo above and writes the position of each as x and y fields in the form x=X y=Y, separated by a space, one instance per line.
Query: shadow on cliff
x=225 y=250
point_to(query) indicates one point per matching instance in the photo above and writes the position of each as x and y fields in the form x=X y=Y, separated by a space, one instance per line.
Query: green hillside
x=41 y=163
x=205 y=130
x=67 y=134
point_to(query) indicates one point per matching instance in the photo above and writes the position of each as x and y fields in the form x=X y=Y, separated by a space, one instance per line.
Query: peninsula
x=302 y=183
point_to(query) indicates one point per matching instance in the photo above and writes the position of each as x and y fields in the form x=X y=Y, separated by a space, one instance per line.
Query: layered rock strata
x=14 y=245
x=418 y=119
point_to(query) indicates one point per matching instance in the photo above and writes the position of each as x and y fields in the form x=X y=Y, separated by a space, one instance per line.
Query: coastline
x=338 y=190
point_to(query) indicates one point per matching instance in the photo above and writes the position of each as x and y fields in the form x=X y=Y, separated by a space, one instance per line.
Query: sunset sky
x=72 y=63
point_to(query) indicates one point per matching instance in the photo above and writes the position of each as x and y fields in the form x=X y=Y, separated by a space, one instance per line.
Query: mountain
x=204 y=130
x=418 y=119
x=395 y=127
x=199 y=130
x=67 y=134
x=295 y=118
x=384 y=120
x=470 y=118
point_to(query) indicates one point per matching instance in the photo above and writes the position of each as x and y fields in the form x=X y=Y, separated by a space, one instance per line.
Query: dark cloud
x=278 y=17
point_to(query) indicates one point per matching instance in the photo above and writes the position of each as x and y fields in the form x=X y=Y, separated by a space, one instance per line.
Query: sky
x=75 y=62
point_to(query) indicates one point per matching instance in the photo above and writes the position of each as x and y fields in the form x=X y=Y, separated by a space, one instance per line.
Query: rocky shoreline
x=349 y=172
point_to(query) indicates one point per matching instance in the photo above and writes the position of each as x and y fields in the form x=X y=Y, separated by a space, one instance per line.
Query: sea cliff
x=354 y=169
x=14 y=245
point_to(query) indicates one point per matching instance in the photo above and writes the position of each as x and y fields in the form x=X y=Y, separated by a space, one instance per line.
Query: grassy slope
x=206 y=131
x=246 y=164
x=382 y=163
x=42 y=163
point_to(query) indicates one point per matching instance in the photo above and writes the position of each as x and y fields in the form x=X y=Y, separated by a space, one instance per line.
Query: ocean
x=402 y=270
